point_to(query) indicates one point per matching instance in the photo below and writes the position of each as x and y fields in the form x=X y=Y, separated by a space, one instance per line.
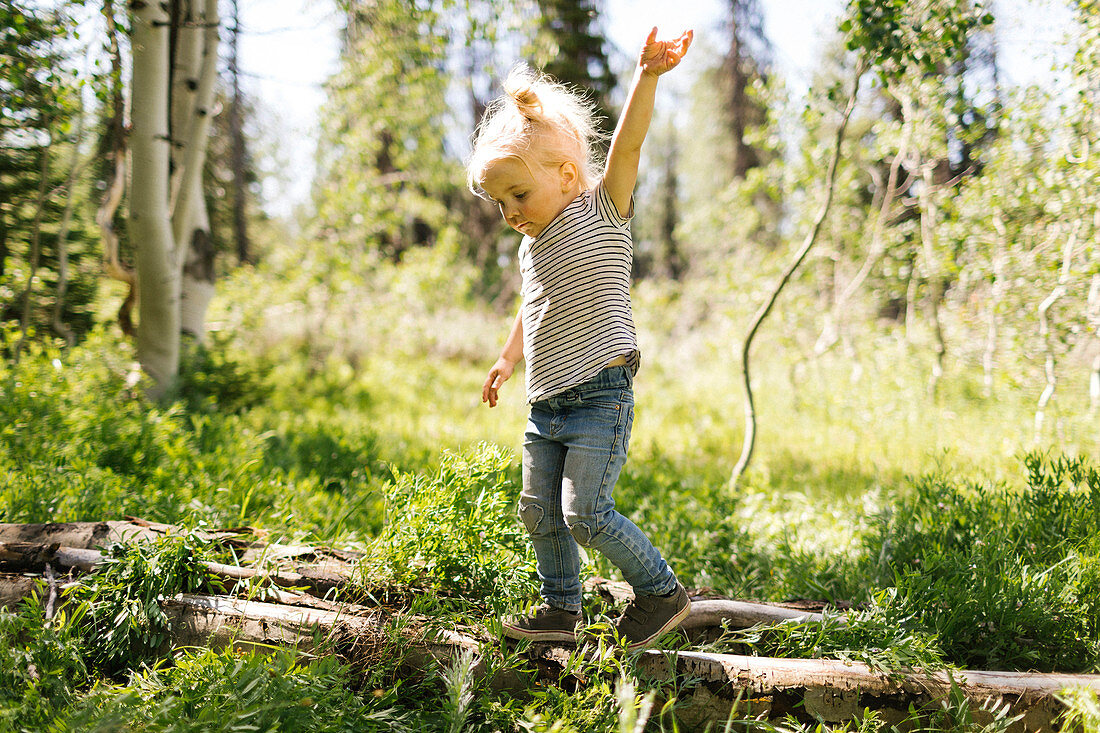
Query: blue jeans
x=573 y=450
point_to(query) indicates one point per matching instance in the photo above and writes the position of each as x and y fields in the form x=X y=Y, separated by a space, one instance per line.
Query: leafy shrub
x=125 y=622
x=455 y=531
x=42 y=667
x=1006 y=578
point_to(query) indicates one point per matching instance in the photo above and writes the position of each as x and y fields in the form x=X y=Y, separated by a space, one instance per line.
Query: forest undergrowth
x=954 y=540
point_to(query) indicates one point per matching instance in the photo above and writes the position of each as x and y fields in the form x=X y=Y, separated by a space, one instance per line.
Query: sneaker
x=548 y=623
x=647 y=617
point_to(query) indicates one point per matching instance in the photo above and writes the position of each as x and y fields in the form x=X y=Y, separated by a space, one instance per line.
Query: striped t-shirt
x=576 y=295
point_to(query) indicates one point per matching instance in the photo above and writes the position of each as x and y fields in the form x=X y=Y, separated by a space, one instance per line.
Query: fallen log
x=15 y=587
x=321 y=569
x=714 y=686
x=248 y=543
x=705 y=614
x=712 y=612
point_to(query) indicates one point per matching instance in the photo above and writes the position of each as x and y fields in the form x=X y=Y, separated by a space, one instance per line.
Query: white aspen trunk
x=1093 y=324
x=190 y=219
x=158 y=332
x=928 y=215
x=996 y=293
x=186 y=67
x=1044 y=333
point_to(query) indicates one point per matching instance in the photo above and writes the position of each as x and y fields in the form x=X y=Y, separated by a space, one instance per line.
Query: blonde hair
x=540 y=121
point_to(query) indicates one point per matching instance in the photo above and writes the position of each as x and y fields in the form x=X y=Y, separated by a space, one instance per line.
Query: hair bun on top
x=521 y=87
x=540 y=121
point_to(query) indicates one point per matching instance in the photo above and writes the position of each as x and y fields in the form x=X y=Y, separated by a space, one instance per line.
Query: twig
x=51 y=579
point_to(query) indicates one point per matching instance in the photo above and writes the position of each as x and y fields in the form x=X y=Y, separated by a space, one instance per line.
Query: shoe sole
x=669 y=625
x=514 y=632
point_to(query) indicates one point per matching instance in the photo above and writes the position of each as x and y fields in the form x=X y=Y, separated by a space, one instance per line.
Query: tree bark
x=765 y=309
x=190 y=219
x=158 y=331
x=1044 y=334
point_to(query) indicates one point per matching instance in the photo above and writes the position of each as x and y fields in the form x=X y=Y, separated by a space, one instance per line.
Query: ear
x=569 y=175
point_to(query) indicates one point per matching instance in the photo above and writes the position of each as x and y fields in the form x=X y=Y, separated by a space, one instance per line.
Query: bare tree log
x=246 y=542
x=765 y=309
x=14 y=587
x=825 y=689
x=321 y=580
x=837 y=691
x=710 y=613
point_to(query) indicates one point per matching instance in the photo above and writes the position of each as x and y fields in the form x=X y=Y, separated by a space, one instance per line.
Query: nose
x=508 y=211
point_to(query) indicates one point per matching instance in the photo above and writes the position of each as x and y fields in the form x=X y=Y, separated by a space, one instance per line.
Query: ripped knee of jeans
x=531 y=514
x=583 y=530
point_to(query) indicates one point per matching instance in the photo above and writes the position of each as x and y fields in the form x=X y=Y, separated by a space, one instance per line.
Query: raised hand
x=661 y=56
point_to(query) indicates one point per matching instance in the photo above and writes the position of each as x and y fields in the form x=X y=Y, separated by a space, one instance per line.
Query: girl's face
x=529 y=199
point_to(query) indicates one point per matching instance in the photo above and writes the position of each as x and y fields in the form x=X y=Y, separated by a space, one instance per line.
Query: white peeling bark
x=158 y=332
x=190 y=219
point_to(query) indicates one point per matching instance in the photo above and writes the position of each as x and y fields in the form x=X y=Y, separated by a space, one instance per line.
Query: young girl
x=533 y=156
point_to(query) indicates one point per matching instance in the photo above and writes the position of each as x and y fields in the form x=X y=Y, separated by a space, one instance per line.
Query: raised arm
x=656 y=58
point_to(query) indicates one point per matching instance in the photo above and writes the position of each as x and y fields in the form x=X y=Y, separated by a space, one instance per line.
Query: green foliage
x=898 y=35
x=570 y=46
x=226 y=691
x=42 y=664
x=1006 y=578
x=214 y=377
x=382 y=173
x=455 y=532
x=40 y=99
x=1082 y=710
x=125 y=621
x=878 y=636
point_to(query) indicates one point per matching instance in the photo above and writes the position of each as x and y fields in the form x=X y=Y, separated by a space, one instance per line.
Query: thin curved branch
x=807 y=244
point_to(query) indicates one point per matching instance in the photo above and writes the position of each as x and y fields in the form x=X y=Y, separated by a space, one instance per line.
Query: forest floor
x=955 y=539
